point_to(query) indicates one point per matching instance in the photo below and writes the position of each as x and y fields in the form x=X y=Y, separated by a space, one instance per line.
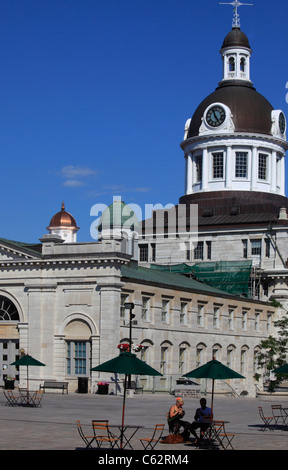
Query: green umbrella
x=128 y=364
x=214 y=370
x=27 y=361
x=281 y=370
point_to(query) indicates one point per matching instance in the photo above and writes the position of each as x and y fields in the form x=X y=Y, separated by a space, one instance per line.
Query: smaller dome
x=63 y=219
x=118 y=215
x=236 y=38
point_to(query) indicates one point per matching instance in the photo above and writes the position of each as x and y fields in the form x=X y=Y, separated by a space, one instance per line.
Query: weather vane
x=236 y=18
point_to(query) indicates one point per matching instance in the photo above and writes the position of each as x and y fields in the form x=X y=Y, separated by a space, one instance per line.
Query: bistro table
x=126 y=435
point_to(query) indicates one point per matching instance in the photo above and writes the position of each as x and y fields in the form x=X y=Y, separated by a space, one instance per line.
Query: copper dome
x=63 y=219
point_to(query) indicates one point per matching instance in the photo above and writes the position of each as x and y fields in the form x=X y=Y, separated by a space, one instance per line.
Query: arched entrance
x=9 y=339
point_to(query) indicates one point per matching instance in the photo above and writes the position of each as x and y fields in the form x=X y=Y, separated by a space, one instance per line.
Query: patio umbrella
x=27 y=361
x=214 y=370
x=128 y=364
x=281 y=370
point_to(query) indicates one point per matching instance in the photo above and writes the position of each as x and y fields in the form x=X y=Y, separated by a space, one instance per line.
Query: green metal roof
x=33 y=248
x=169 y=280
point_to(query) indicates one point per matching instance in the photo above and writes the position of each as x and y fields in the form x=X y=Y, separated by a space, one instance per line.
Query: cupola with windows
x=235 y=141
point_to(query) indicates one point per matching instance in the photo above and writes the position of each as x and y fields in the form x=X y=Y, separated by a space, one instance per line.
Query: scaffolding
x=229 y=276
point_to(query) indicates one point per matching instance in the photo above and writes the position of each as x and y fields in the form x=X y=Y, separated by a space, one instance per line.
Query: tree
x=273 y=352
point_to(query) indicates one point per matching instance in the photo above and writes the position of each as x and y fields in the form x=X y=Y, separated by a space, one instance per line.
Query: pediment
x=16 y=251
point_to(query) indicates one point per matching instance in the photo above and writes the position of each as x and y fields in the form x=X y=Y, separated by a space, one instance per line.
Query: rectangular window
x=262 y=166
x=77 y=358
x=256 y=247
x=145 y=308
x=209 y=249
x=231 y=319
x=216 y=315
x=163 y=363
x=257 y=321
x=198 y=164
x=218 y=165
x=143 y=252
x=182 y=354
x=124 y=299
x=245 y=248
x=244 y=321
x=153 y=252
x=198 y=251
x=241 y=166
x=267 y=247
x=200 y=315
x=165 y=311
x=183 y=313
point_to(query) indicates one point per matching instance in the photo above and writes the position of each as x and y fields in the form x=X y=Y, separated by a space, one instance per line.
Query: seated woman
x=175 y=422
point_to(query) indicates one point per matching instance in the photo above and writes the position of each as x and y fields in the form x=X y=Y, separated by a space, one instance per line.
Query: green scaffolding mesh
x=229 y=276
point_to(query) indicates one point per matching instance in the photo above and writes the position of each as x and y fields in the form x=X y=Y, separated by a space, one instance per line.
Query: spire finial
x=236 y=17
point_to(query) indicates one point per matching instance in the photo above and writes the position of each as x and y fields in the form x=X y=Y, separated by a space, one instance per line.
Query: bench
x=54 y=384
x=135 y=386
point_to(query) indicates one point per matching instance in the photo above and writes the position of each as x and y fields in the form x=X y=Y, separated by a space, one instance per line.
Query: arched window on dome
x=231 y=64
x=8 y=311
x=242 y=64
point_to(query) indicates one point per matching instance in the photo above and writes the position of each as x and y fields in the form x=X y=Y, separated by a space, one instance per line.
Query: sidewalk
x=53 y=427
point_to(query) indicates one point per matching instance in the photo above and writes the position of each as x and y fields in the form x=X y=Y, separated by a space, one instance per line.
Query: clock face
x=282 y=123
x=215 y=116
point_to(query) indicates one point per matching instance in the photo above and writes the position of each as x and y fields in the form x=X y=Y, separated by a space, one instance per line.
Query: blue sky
x=95 y=94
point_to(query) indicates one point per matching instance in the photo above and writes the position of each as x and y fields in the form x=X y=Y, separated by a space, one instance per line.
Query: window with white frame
x=257 y=321
x=78 y=358
x=199 y=250
x=218 y=165
x=241 y=165
x=183 y=313
x=231 y=318
x=123 y=312
x=143 y=252
x=200 y=315
x=216 y=317
x=269 y=323
x=182 y=359
x=163 y=359
x=230 y=357
x=199 y=355
x=262 y=166
x=256 y=247
x=165 y=311
x=244 y=320
x=243 y=359
x=145 y=309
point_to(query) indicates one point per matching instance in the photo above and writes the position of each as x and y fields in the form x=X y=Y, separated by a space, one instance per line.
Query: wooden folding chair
x=87 y=439
x=150 y=442
x=224 y=438
x=278 y=415
x=35 y=400
x=12 y=399
x=266 y=420
x=103 y=435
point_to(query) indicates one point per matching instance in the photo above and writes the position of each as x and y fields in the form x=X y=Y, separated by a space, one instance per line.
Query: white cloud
x=74 y=176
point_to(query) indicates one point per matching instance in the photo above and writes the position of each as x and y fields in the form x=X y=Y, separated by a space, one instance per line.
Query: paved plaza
x=53 y=426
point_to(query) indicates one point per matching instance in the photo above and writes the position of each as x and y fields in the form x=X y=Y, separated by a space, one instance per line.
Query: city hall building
x=63 y=301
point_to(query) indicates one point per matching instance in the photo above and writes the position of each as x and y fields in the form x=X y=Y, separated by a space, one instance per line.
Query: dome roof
x=63 y=219
x=237 y=38
x=118 y=215
x=251 y=111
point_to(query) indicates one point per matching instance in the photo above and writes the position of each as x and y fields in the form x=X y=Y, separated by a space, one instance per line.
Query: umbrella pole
x=212 y=399
x=123 y=411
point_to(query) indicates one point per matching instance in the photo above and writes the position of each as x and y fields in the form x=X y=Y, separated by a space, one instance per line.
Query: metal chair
x=150 y=442
x=103 y=435
x=225 y=438
x=266 y=420
x=87 y=439
x=278 y=414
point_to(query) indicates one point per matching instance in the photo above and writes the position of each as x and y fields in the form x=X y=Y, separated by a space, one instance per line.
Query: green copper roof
x=167 y=279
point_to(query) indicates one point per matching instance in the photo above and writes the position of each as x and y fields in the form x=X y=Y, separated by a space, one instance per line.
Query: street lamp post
x=130 y=306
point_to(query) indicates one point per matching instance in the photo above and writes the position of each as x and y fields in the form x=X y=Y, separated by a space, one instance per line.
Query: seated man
x=175 y=422
x=203 y=419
